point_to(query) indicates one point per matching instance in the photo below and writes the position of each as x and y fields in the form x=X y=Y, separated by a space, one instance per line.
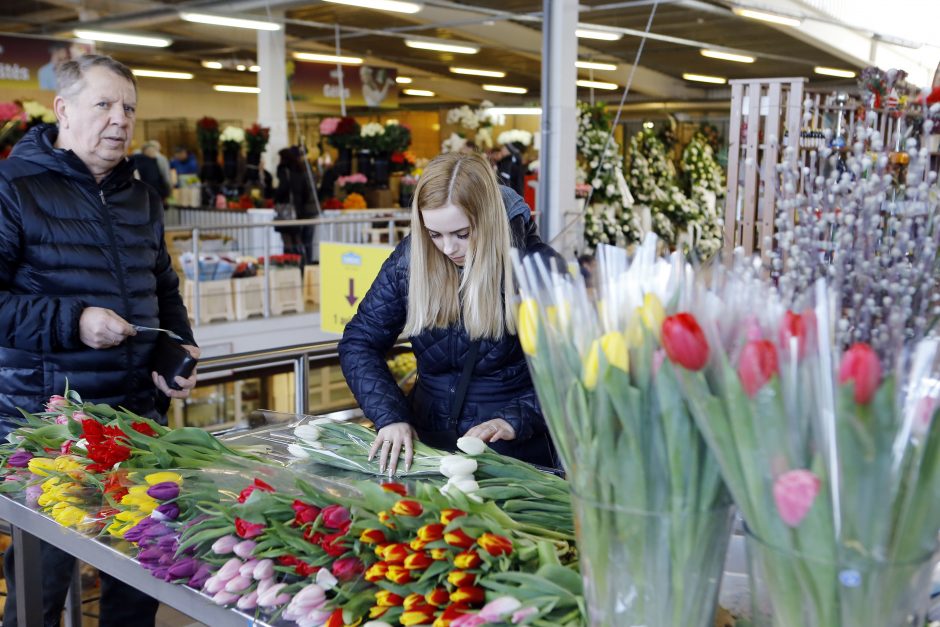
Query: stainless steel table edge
x=29 y=526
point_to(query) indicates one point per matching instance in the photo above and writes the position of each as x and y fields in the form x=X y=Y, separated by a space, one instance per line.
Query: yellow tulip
x=634 y=334
x=162 y=477
x=69 y=516
x=41 y=466
x=65 y=463
x=118 y=529
x=527 y=325
x=138 y=490
x=129 y=516
x=614 y=345
x=652 y=313
x=50 y=484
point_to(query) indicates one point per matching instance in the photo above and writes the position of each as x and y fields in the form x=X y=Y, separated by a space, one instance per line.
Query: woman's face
x=449 y=229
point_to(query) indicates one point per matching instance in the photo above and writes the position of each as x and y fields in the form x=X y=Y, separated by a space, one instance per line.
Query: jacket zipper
x=118 y=268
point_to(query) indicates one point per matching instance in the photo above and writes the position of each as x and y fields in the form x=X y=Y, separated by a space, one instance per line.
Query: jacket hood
x=38 y=146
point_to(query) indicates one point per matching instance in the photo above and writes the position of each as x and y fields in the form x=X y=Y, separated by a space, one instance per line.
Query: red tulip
x=860 y=364
x=414 y=600
x=347 y=568
x=386 y=519
x=396 y=553
x=397 y=488
x=417 y=616
x=450 y=614
x=799 y=326
x=407 y=508
x=248 y=530
x=398 y=574
x=757 y=364
x=432 y=532
x=386 y=598
x=376 y=572
x=437 y=597
x=460 y=578
x=458 y=538
x=447 y=515
x=418 y=561
x=471 y=595
x=417 y=544
x=495 y=545
x=335 y=516
x=257 y=485
x=335 y=619
x=372 y=536
x=304 y=513
x=467 y=559
x=333 y=545
x=684 y=341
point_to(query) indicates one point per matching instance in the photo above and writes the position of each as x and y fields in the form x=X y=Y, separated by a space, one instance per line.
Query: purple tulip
x=184 y=568
x=168 y=543
x=19 y=459
x=166 y=560
x=157 y=530
x=167 y=511
x=164 y=491
x=202 y=574
x=151 y=556
x=190 y=550
x=33 y=493
x=159 y=573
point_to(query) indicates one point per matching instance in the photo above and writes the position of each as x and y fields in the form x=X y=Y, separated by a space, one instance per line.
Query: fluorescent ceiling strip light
x=237 y=89
x=596 y=84
x=439 y=46
x=327 y=58
x=212 y=65
x=161 y=74
x=831 y=71
x=404 y=80
x=514 y=111
x=234 y=22
x=593 y=65
x=418 y=92
x=726 y=56
x=764 y=16
x=703 y=78
x=605 y=35
x=474 y=72
x=254 y=68
x=395 y=6
x=505 y=89
x=117 y=38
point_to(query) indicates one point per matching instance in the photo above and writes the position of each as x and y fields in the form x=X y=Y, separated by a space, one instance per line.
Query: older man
x=82 y=259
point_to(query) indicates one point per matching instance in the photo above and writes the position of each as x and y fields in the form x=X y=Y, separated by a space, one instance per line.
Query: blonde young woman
x=448 y=287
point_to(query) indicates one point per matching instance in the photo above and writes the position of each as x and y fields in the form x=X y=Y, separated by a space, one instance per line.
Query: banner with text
x=363 y=86
x=31 y=62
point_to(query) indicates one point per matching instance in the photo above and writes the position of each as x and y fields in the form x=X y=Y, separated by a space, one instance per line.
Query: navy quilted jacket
x=67 y=243
x=500 y=386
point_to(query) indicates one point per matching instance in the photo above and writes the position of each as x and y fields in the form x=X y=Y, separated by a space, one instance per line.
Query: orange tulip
x=372 y=536
x=417 y=544
x=467 y=559
x=398 y=574
x=422 y=616
x=418 y=561
x=461 y=578
x=458 y=538
x=385 y=598
x=437 y=597
x=495 y=545
x=407 y=508
x=396 y=553
x=386 y=519
x=376 y=572
x=451 y=613
x=448 y=515
x=377 y=610
x=439 y=554
x=432 y=532
x=414 y=600
x=468 y=594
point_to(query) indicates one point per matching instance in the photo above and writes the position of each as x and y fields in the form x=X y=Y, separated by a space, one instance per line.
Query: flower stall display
x=653 y=513
x=703 y=181
x=207 y=135
x=352 y=184
x=479 y=120
x=355 y=201
x=12 y=126
x=516 y=136
x=37 y=113
x=256 y=140
x=342 y=134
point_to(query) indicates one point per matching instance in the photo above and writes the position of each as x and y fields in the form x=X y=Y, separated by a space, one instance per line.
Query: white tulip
x=307 y=433
x=325 y=579
x=471 y=445
x=453 y=465
x=297 y=451
x=464 y=483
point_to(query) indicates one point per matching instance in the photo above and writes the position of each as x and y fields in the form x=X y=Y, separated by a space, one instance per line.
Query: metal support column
x=302 y=384
x=73 y=600
x=27 y=568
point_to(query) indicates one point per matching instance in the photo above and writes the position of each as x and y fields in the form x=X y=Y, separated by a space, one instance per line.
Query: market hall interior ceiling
x=507 y=33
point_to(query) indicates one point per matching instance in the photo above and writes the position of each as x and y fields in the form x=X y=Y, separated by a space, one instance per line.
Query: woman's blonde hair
x=438 y=295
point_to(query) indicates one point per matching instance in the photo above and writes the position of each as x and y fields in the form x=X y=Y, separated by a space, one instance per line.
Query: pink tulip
x=923 y=415
x=264 y=584
x=224 y=598
x=468 y=620
x=56 y=402
x=801 y=327
x=213 y=584
x=238 y=584
x=495 y=610
x=248 y=602
x=334 y=516
x=756 y=366
x=752 y=329
x=524 y=614
x=272 y=596
x=314 y=618
x=224 y=545
x=860 y=364
x=244 y=548
x=263 y=570
x=794 y=493
x=310 y=596
x=248 y=568
x=229 y=569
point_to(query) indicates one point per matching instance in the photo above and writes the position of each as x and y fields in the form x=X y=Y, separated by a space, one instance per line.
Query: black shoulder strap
x=464 y=384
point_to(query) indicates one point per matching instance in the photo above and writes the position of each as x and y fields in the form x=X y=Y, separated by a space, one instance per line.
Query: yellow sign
x=346 y=273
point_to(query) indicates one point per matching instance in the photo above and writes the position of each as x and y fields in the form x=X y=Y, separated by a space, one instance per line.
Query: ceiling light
x=442 y=46
x=702 y=78
x=117 y=38
x=382 y=5
x=212 y=65
x=237 y=89
x=831 y=71
x=593 y=65
x=161 y=74
x=240 y=67
x=514 y=111
x=254 y=68
x=403 y=80
x=596 y=84
x=648 y=125
x=418 y=92
x=327 y=58
x=606 y=35
x=506 y=89
x=726 y=56
x=473 y=72
x=764 y=16
x=234 y=22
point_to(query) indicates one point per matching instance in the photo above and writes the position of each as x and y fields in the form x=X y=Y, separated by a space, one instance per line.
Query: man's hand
x=102 y=328
x=492 y=431
x=390 y=440
x=186 y=384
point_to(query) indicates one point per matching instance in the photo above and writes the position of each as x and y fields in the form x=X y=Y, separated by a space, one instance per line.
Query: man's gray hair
x=70 y=75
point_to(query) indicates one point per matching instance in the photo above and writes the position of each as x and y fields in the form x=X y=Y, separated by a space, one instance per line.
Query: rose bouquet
x=653 y=514
x=207 y=134
x=232 y=139
x=256 y=138
x=341 y=133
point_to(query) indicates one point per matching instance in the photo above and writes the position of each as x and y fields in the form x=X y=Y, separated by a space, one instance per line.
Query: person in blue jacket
x=448 y=287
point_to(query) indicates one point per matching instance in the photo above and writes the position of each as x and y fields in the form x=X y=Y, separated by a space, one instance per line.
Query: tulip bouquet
x=654 y=516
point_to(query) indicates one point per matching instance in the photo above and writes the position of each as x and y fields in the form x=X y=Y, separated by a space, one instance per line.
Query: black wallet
x=171 y=360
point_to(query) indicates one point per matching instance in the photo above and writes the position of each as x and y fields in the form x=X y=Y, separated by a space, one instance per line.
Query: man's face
x=97 y=123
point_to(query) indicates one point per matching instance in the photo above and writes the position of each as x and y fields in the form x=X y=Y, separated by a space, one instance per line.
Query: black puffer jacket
x=67 y=243
x=500 y=386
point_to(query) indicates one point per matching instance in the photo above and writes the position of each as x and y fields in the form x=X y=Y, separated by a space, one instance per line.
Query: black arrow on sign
x=351 y=297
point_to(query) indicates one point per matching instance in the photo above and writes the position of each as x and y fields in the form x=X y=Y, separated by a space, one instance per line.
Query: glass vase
x=650 y=569
x=791 y=589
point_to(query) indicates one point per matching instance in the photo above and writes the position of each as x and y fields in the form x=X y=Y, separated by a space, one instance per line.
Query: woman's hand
x=389 y=440
x=492 y=431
